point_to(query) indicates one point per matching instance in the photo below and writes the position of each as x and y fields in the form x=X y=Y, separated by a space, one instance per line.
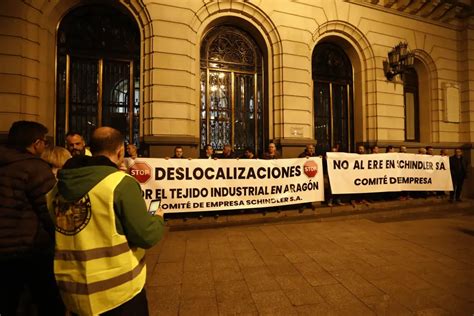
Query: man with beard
x=76 y=145
x=308 y=152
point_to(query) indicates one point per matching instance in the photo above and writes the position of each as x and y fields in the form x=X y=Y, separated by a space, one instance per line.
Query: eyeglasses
x=45 y=141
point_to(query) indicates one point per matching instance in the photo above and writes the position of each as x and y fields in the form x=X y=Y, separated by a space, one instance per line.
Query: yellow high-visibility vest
x=95 y=268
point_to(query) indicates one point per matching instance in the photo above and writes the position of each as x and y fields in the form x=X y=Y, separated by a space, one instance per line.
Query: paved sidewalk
x=355 y=267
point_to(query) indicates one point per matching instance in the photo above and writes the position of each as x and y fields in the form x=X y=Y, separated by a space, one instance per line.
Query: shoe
x=330 y=204
x=340 y=203
x=353 y=203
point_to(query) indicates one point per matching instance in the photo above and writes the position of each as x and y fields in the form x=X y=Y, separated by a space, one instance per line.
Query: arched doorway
x=98 y=51
x=232 y=97
x=333 y=98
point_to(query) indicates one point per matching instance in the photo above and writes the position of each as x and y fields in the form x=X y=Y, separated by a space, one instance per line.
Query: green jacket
x=81 y=173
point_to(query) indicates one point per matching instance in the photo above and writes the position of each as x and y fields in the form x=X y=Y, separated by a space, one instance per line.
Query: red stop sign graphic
x=310 y=168
x=140 y=171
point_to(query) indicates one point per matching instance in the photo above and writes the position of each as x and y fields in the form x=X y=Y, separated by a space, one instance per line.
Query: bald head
x=106 y=141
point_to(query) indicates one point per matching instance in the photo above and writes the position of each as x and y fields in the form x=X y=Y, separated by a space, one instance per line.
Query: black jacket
x=458 y=167
x=25 y=225
x=306 y=154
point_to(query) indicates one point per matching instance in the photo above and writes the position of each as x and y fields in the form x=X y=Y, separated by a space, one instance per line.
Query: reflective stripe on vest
x=94 y=266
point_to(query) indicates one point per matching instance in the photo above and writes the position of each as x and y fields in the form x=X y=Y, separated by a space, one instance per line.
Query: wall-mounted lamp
x=399 y=59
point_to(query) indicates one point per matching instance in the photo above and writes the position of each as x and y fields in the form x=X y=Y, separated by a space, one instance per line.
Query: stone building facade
x=245 y=72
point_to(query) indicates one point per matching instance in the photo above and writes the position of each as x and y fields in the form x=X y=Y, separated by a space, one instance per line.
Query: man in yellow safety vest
x=102 y=229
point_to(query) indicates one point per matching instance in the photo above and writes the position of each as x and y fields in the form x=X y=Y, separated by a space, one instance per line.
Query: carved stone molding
x=441 y=11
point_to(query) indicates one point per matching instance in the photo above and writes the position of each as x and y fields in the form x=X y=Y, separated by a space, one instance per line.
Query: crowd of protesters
x=75 y=144
x=458 y=171
x=46 y=190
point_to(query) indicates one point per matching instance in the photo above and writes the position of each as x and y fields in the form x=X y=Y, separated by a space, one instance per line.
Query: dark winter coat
x=306 y=154
x=458 y=167
x=25 y=225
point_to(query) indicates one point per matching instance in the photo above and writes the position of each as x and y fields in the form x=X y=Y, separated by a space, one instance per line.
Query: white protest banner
x=185 y=185
x=354 y=173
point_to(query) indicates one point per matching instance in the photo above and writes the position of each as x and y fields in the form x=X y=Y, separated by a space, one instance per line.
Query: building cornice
x=453 y=14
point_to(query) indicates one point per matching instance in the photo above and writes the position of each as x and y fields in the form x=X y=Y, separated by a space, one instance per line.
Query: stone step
x=378 y=211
